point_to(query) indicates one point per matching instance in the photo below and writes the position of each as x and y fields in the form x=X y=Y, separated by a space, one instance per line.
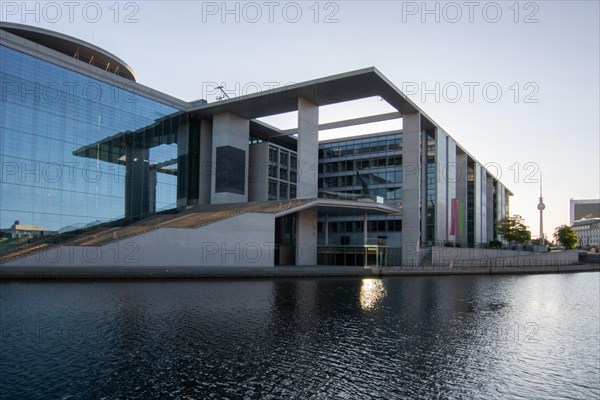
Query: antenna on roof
x=224 y=95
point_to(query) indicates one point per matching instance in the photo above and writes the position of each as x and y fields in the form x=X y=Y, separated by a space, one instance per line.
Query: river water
x=527 y=336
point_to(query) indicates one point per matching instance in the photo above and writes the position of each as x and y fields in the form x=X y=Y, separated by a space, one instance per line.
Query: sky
x=515 y=83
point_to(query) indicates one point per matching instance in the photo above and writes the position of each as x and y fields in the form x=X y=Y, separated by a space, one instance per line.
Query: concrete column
x=484 y=219
x=411 y=192
x=258 y=172
x=451 y=177
x=365 y=229
x=441 y=195
x=477 y=200
x=137 y=182
x=490 y=217
x=365 y=236
x=230 y=141
x=206 y=170
x=500 y=199
x=306 y=234
x=308 y=149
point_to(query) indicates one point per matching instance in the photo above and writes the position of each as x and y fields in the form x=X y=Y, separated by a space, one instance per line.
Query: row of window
x=379 y=178
x=282 y=157
x=394 y=225
x=358 y=165
x=283 y=164
x=281 y=190
x=360 y=146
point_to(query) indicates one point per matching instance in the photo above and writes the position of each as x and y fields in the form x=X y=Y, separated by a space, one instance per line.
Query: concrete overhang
x=340 y=88
x=335 y=207
x=72 y=47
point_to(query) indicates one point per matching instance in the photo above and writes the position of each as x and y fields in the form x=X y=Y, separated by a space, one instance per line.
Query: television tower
x=541 y=207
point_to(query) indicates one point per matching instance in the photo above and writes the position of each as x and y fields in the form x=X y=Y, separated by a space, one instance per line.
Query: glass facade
x=369 y=166
x=350 y=166
x=76 y=151
x=283 y=173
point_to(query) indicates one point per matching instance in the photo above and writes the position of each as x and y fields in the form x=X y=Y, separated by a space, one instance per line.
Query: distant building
x=588 y=232
x=19 y=231
x=583 y=209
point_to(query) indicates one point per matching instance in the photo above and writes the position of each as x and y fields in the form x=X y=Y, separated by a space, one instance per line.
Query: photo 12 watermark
x=36 y=172
x=252 y=12
x=27 y=92
x=92 y=12
x=270 y=91
x=518 y=332
x=473 y=92
x=453 y=12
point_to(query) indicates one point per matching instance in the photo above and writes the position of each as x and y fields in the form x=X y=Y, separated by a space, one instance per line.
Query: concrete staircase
x=192 y=218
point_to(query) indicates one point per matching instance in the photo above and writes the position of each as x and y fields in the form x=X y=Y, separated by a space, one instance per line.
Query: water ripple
x=421 y=337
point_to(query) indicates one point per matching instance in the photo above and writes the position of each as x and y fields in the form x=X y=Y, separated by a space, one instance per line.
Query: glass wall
x=70 y=145
x=283 y=173
x=353 y=166
x=348 y=166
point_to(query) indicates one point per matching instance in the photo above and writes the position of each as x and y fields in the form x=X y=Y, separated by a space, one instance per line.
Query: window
x=272 y=190
x=283 y=158
x=349 y=226
x=283 y=173
x=273 y=171
x=283 y=190
x=273 y=154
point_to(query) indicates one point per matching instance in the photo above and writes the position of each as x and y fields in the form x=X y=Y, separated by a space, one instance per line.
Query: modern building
x=579 y=209
x=109 y=165
x=588 y=232
x=458 y=199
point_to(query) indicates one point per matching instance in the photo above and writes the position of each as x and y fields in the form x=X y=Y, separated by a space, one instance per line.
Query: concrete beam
x=349 y=122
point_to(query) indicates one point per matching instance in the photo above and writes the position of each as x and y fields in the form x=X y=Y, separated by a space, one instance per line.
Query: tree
x=566 y=236
x=513 y=229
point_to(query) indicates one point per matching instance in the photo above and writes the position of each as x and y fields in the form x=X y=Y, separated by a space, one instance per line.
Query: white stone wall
x=445 y=254
x=246 y=240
